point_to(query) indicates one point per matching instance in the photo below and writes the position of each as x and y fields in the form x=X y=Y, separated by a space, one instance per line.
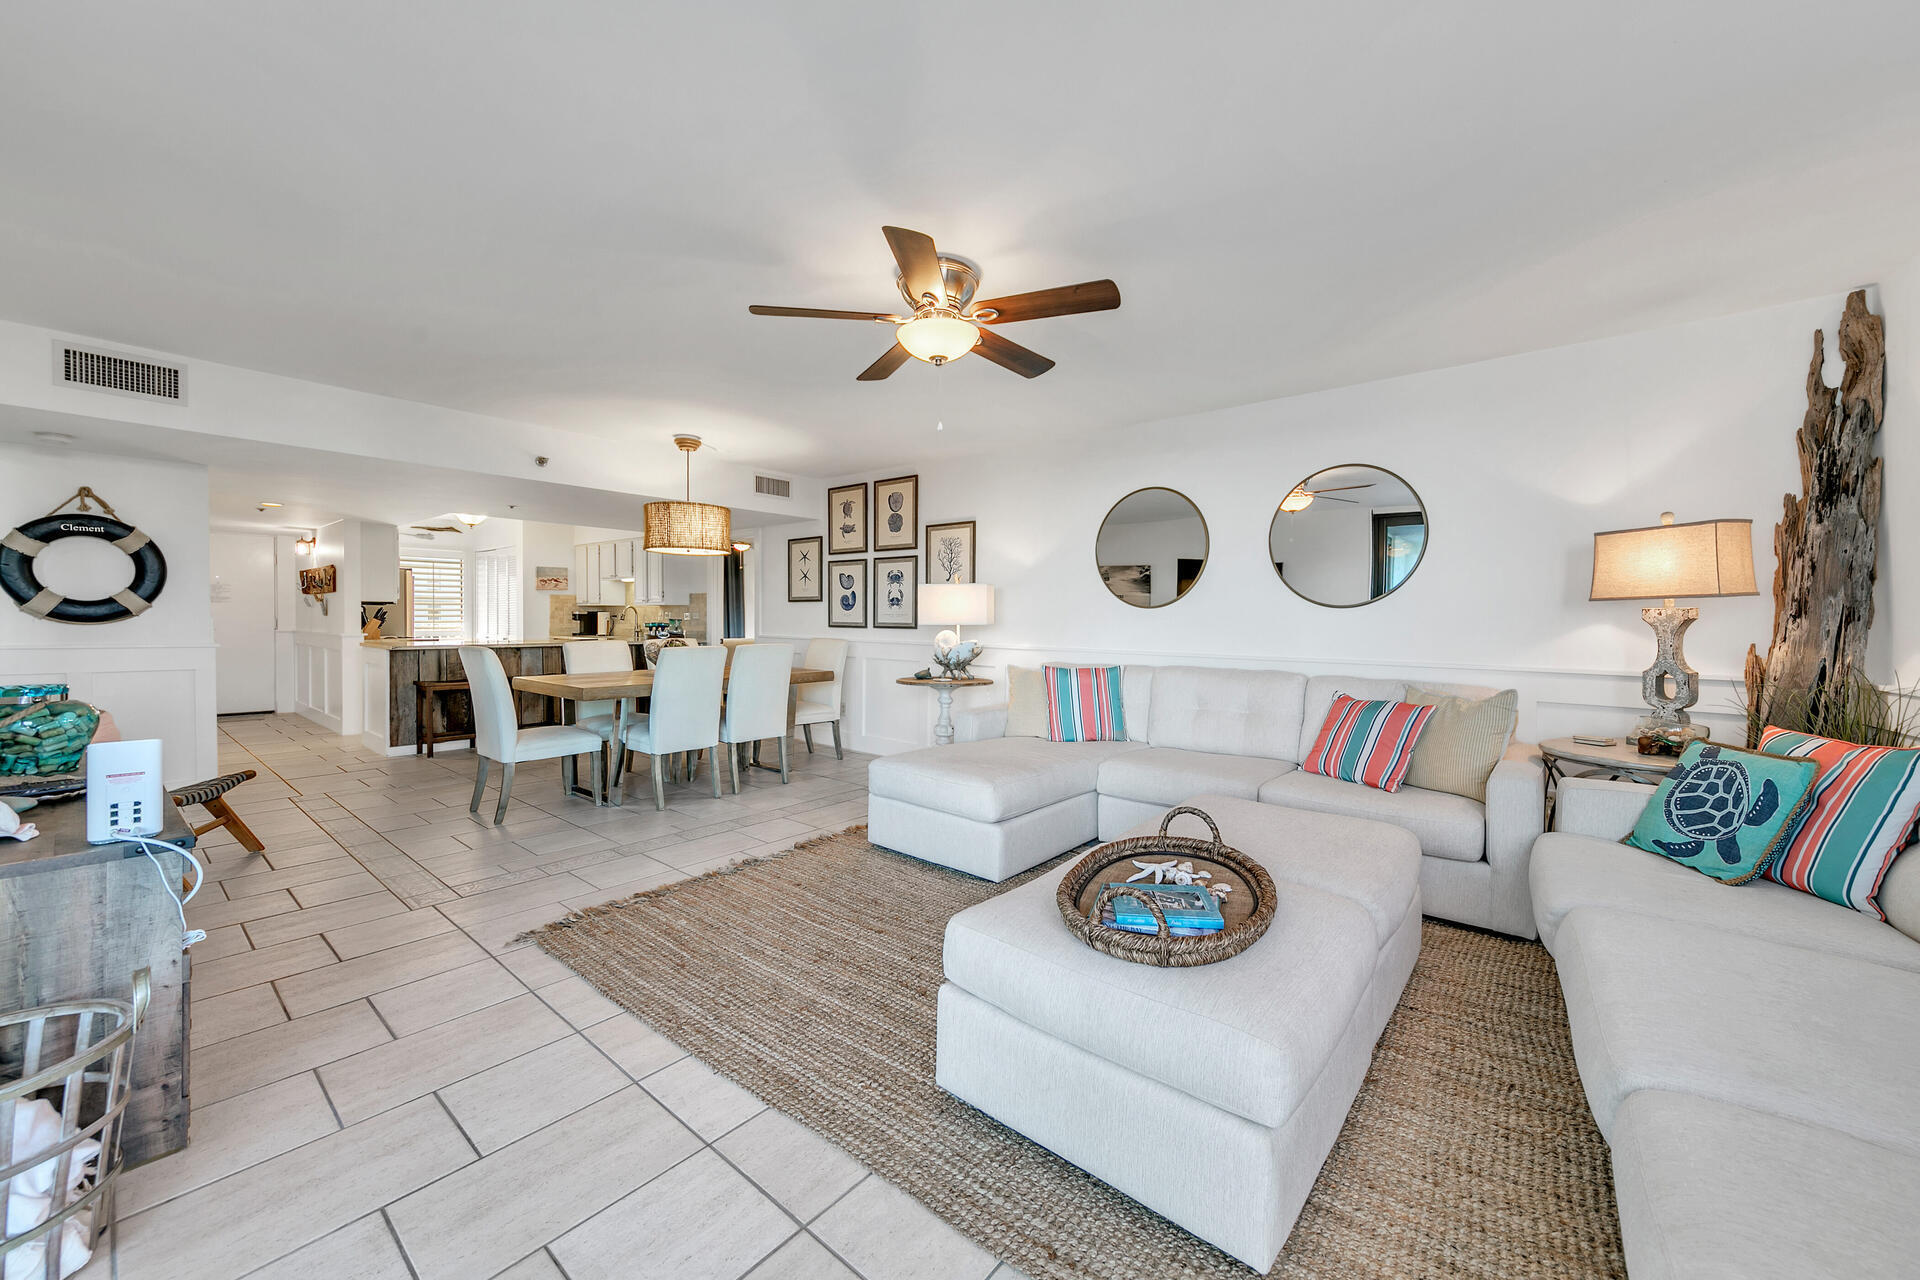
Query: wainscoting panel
x=884 y=717
x=161 y=692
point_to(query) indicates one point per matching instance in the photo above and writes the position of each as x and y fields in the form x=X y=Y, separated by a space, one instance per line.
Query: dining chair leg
x=806 y=731
x=837 y=753
x=659 y=764
x=506 y=789
x=785 y=776
x=713 y=768
x=600 y=776
x=624 y=775
x=479 y=785
x=569 y=774
x=733 y=764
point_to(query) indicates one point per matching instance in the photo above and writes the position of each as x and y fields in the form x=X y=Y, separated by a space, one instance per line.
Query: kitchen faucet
x=635 y=611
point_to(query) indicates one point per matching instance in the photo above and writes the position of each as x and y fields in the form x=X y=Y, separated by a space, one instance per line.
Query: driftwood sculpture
x=1825 y=543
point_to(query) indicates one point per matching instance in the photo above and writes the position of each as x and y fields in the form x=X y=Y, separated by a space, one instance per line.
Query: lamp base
x=1669 y=686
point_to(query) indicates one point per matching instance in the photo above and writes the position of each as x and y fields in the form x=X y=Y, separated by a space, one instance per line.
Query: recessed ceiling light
x=265 y=505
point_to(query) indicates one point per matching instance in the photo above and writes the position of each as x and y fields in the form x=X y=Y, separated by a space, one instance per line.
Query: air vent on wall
x=773 y=488
x=119 y=373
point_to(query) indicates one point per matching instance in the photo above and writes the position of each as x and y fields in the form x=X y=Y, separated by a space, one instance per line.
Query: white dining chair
x=757 y=685
x=683 y=715
x=820 y=703
x=498 y=738
x=600 y=655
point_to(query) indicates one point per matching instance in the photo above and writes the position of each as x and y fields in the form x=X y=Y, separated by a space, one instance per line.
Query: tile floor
x=387 y=1085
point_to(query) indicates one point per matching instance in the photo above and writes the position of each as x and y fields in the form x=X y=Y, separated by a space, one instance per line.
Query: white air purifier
x=124 y=795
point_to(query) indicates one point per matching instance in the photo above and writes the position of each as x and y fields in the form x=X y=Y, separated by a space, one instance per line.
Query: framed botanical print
x=805 y=565
x=896 y=591
x=896 y=514
x=847 y=593
x=847 y=519
x=950 y=552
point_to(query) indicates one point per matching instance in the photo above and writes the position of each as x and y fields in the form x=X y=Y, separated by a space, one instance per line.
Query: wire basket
x=89 y=1086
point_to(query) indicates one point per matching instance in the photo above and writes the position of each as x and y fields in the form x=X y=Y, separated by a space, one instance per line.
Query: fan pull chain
x=939 y=397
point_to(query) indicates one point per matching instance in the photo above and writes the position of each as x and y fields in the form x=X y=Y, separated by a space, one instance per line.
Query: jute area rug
x=809 y=978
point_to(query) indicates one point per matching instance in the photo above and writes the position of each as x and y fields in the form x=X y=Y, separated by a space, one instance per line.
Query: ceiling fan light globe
x=1298 y=500
x=937 y=338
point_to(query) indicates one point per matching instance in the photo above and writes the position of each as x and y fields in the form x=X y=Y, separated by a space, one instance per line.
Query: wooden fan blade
x=919 y=262
x=816 y=314
x=1011 y=355
x=890 y=359
x=1067 y=300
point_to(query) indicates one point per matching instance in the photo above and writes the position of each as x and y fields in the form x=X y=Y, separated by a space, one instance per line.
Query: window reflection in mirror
x=1151 y=547
x=1348 y=535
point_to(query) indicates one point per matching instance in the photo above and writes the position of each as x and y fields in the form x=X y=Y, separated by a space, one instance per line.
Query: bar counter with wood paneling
x=393 y=667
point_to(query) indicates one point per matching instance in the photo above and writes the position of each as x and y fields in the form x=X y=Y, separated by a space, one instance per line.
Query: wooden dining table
x=570 y=689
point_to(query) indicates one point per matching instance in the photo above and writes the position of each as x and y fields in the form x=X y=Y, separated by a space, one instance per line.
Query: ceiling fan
x=945 y=323
x=1302 y=497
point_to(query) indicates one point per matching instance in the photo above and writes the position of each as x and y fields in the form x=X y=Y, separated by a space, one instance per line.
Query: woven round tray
x=1248 y=909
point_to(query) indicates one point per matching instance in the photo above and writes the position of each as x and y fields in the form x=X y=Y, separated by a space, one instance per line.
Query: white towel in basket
x=36 y=1127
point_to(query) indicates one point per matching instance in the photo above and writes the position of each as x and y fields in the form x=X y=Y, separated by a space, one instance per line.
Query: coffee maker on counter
x=594 y=619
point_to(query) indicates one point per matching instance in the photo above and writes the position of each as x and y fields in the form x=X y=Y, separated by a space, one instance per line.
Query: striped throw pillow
x=1083 y=705
x=1864 y=804
x=1367 y=742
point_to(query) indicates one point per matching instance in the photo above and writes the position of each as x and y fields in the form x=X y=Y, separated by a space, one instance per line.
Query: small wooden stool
x=427 y=692
x=209 y=796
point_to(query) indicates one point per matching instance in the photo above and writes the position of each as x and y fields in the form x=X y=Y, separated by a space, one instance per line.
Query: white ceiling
x=560 y=212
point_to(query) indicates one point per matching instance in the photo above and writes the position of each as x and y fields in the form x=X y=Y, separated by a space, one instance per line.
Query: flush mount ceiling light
x=265 y=505
x=945 y=322
x=688 y=528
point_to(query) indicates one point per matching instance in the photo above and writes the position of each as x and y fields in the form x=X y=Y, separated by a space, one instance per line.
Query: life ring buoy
x=21 y=545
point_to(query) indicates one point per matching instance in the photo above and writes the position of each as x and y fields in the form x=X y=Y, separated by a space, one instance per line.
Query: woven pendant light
x=689 y=528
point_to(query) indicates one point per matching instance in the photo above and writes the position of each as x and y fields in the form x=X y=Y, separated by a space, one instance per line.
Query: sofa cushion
x=1249 y=1034
x=995 y=779
x=1322 y=690
x=1136 y=699
x=1161 y=775
x=1367 y=742
x=1463 y=742
x=1570 y=872
x=1026 y=703
x=1236 y=713
x=1725 y=812
x=1821 y=1038
x=1447 y=826
x=1864 y=806
x=1712 y=1191
x=1084 y=704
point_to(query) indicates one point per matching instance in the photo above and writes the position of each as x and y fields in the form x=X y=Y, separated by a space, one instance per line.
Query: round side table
x=1618 y=762
x=943 y=727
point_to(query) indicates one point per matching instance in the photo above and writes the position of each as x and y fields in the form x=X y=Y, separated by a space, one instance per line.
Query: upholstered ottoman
x=1211 y=1095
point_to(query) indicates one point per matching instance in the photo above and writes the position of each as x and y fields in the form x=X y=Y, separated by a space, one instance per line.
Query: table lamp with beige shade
x=955 y=604
x=1665 y=562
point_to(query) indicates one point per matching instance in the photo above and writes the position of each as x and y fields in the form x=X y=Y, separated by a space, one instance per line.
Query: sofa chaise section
x=992 y=808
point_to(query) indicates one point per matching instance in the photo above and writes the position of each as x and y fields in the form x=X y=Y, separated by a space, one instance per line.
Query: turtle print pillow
x=1725 y=812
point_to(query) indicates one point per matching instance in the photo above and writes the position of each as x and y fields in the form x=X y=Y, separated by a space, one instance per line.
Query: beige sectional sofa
x=1748 y=1052
x=993 y=806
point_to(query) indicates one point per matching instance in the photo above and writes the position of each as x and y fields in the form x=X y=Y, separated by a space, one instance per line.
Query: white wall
x=154 y=672
x=1519 y=461
x=549 y=544
x=1896 y=630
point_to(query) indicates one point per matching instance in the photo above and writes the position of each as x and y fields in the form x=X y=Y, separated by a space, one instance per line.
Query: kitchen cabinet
x=623 y=559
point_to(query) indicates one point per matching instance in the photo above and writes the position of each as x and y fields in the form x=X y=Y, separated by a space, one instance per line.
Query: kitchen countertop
x=534 y=642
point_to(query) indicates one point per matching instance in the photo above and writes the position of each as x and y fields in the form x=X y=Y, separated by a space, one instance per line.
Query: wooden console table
x=76 y=920
x=943 y=727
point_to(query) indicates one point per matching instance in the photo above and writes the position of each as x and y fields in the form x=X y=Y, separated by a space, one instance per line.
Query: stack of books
x=1190 y=910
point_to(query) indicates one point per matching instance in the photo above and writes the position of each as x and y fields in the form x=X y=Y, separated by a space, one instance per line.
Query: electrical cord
x=189 y=936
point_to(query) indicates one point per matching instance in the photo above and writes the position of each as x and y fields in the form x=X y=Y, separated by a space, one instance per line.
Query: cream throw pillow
x=1026 y=703
x=1899 y=893
x=1463 y=741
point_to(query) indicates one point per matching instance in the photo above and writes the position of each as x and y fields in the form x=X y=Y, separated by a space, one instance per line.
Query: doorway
x=243 y=623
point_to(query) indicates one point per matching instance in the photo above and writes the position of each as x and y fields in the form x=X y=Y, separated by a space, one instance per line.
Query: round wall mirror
x=1348 y=535
x=1152 y=547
